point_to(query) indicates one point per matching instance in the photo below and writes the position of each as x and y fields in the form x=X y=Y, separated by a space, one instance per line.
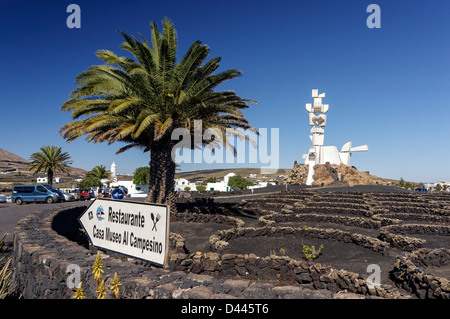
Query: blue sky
x=387 y=87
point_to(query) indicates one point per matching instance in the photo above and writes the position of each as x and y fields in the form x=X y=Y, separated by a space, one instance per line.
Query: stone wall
x=207 y=218
x=396 y=235
x=281 y=269
x=408 y=273
x=44 y=258
x=47 y=243
x=360 y=222
x=224 y=236
x=417 y=217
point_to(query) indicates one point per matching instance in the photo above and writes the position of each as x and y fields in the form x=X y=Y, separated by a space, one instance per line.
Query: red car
x=86 y=194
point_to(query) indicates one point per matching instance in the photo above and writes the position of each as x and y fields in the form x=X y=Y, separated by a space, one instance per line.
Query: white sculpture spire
x=318 y=153
x=113 y=172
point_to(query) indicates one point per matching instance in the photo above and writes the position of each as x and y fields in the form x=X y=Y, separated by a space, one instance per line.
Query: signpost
x=138 y=230
x=117 y=194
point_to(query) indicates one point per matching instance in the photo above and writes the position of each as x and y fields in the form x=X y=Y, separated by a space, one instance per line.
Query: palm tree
x=141 y=101
x=50 y=160
x=100 y=172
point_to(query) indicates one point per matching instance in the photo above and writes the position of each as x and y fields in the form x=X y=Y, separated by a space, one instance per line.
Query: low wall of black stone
x=48 y=246
x=359 y=222
x=398 y=235
x=409 y=274
x=42 y=257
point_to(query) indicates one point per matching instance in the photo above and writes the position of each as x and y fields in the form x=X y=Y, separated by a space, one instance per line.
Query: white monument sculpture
x=318 y=153
x=113 y=177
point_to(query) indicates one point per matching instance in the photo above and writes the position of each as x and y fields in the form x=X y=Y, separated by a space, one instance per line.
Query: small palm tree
x=142 y=101
x=50 y=160
x=100 y=172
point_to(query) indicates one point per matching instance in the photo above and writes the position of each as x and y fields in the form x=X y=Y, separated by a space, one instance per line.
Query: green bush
x=310 y=253
x=141 y=176
x=90 y=181
x=201 y=188
x=239 y=182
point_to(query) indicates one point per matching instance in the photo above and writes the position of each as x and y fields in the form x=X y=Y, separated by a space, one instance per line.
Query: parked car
x=421 y=190
x=102 y=193
x=76 y=193
x=68 y=197
x=2 y=198
x=106 y=193
x=71 y=191
x=86 y=194
x=57 y=191
x=33 y=193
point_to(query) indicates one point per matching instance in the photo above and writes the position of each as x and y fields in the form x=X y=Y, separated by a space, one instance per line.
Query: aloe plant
x=5 y=272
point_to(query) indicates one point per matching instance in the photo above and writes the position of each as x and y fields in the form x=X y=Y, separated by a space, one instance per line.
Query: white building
x=443 y=184
x=218 y=186
x=433 y=185
x=261 y=185
x=44 y=180
x=182 y=183
x=133 y=190
x=221 y=186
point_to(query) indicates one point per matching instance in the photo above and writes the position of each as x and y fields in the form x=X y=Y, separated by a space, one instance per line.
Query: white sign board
x=139 y=230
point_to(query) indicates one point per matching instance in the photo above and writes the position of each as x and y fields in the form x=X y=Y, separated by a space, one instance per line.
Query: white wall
x=133 y=190
x=44 y=180
x=220 y=186
x=182 y=183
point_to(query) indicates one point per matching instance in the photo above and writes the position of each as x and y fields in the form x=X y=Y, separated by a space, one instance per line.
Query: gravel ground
x=196 y=235
x=340 y=255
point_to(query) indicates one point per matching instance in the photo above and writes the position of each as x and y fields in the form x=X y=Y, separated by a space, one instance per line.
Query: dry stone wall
x=395 y=215
x=280 y=269
x=408 y=273
x=42 y=255
x=43 y=259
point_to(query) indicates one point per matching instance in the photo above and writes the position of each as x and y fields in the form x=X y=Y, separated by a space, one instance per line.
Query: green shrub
x=310 y=253
x=238 y=181
x=201 y=188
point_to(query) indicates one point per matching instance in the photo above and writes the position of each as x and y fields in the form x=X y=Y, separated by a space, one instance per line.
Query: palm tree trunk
x=50 y=177
x=162 y=175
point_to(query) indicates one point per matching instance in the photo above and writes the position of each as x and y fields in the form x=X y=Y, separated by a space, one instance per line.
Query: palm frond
x=142 y=99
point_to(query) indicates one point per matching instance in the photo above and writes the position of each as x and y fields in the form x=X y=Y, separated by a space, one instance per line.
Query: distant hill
x=200 y=175
x=13 y=163
x=10 y=162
